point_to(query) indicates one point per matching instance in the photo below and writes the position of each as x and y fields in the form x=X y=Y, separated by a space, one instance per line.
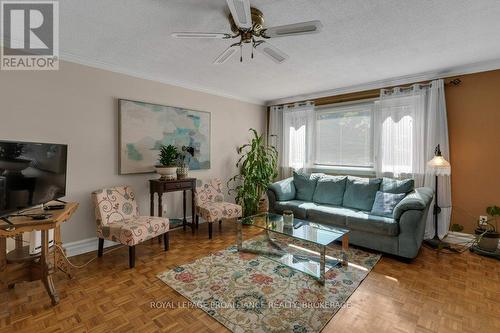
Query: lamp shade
x=439 y=166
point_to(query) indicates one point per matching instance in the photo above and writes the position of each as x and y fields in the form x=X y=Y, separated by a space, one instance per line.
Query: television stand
x=18 y=265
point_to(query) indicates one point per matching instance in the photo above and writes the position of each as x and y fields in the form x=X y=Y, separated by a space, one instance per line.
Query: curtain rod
x=451 y=83
x=454 y=82
x=297 y=104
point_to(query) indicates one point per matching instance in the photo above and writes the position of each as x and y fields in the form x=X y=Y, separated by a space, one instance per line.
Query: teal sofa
x=382 y=214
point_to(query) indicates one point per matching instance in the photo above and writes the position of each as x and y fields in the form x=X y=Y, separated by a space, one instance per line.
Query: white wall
x=77 y=105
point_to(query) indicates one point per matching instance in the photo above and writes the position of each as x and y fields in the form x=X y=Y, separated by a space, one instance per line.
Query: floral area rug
x=248 y=292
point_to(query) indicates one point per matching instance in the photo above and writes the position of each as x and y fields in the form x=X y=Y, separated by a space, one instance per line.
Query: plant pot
x=263 y=205
x=166 y=172
x=182 y=172
x=489 y=240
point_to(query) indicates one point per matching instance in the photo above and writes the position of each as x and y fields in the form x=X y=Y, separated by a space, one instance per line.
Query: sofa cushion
x=298 y=207
x=284 y=189
x=367 y=222
x=385 y=202
x=360 y=192
x=305 y=184
x=391 y=185
x=332 y=215
x=330 y=190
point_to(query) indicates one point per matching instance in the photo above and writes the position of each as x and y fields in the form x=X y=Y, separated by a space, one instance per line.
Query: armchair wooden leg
x=197 y=221
x=166 y=241
x=100 y=247
x=131 y=256
x=210 y=230
x=220 y=224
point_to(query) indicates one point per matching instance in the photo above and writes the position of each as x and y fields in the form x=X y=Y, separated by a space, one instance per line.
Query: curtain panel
x=291 y=131
x=408 y=125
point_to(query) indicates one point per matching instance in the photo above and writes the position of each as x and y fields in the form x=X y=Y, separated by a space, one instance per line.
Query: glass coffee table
x=301 y=246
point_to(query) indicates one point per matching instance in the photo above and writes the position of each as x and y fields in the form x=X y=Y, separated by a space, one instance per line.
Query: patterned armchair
x=210 y=204
x=118 y=220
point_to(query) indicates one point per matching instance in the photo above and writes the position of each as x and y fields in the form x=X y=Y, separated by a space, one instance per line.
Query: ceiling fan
x=247 y=24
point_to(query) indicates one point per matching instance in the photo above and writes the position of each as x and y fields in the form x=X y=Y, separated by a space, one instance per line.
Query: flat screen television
x=31 y=173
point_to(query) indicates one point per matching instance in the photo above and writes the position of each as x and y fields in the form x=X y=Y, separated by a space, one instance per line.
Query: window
x=344 y=135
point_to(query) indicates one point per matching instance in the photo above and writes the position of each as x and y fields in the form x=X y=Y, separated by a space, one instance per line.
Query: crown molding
x=407 y=79
x=65 y=56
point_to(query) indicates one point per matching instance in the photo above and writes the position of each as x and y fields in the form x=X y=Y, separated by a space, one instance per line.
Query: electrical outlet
x=483 y=219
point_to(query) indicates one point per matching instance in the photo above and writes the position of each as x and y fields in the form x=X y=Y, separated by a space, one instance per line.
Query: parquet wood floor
x=434 y=293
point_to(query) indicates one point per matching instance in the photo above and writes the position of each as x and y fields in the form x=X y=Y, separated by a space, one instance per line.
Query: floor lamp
x=438 y=166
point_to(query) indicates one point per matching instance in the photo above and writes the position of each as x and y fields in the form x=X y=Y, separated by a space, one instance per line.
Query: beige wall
x=474 y=130
x=77 y=105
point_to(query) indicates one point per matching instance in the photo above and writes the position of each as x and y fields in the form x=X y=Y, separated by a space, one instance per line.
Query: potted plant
x=167 y=162
x=487 y=232
x=184 y=158
x=257 y=166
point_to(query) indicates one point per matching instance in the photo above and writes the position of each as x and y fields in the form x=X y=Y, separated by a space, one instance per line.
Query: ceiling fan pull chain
x=253 y=45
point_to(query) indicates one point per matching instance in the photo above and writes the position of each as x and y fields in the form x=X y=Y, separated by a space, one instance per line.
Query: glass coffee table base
x=310 y=262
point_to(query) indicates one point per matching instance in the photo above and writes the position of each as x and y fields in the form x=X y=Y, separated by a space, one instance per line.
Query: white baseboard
x=84 y=246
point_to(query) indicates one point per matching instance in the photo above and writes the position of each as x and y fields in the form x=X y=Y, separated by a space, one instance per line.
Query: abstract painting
x=145 y=127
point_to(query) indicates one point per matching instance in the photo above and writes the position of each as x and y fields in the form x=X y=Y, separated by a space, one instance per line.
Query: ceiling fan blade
x=303 y=28
x=272 y=52
x=224 y=56
x=240 y=10
x=200 y=35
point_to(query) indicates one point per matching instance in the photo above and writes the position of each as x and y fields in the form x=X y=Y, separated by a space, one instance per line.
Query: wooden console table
x=18 y=265
x=164 y=186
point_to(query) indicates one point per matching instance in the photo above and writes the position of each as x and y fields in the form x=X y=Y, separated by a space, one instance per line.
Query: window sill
x=339 y=170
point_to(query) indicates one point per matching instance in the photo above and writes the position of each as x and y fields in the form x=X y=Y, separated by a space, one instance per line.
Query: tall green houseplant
x=258 y=165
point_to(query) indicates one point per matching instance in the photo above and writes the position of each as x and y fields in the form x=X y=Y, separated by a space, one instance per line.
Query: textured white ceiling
x=362 y=41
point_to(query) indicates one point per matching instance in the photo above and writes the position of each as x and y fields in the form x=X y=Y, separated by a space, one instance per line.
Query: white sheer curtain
x=408 y=125
x=291 y=131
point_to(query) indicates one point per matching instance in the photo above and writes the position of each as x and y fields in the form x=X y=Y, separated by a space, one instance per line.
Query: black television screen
x=31 y=174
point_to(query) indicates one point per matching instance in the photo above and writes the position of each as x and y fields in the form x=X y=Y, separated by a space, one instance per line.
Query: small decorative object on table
x=288 y=218
x=167 y=158
x=183 y=160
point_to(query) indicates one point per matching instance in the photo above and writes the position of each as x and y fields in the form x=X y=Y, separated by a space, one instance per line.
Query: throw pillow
x=330 y=190
x=360 y=192
x=390 y=185
x=305 y=184
x=385 y=202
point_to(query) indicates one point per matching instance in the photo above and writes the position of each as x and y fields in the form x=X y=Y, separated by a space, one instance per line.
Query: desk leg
x=184 y=221
x=160 y=209
x=3 y=253
x=46 y=269
x=193 y=214
x=160 y=204
x=60 y=256
x=19 y=241
x=152 y=204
